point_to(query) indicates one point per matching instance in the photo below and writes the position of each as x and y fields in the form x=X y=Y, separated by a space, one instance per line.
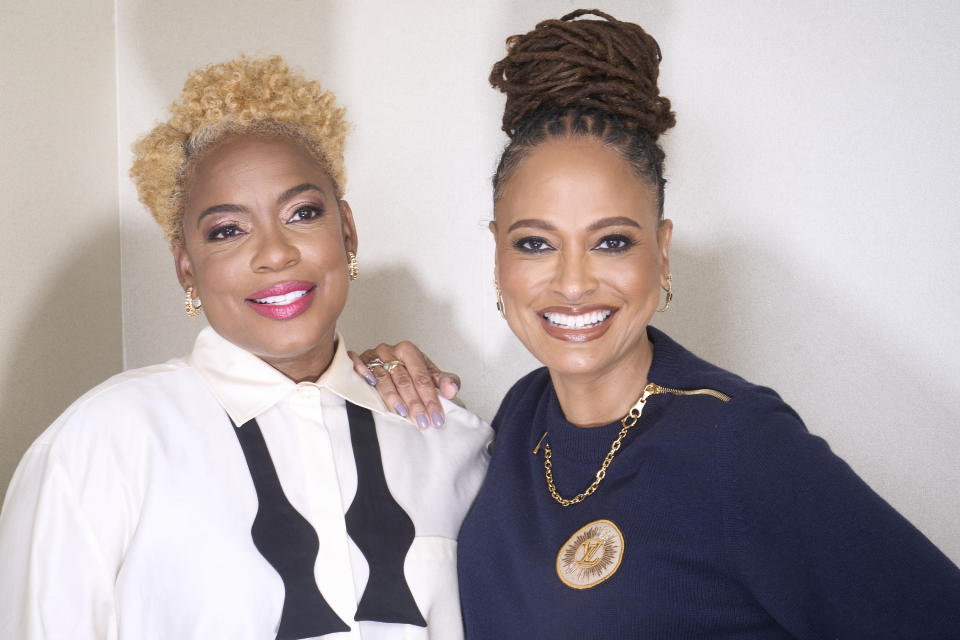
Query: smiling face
x=265 y=244
x=581 y=257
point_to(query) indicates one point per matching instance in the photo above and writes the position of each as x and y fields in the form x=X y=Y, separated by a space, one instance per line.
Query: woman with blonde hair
x=257 y=488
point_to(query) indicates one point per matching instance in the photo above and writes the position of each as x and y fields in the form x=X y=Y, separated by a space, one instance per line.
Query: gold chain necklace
x=628 y=421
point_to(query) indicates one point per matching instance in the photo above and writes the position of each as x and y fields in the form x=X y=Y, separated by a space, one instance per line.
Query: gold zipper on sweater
x=652 y=389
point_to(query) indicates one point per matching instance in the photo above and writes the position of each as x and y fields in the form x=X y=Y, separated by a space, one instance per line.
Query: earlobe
x=493 y=231
x=664 y=235
x=181 y=262
x=496 y=257
x=348 y=227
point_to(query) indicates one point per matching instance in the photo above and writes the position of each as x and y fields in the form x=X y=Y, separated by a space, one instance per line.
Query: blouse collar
x=246 y=386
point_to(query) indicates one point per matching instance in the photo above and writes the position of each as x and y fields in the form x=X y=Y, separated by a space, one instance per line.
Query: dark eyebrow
x=221 y=208
x=617 y=221
x=536 y=224
x=235 y=208
x=300 y=188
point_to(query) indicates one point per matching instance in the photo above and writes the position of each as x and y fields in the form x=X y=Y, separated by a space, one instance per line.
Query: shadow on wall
x=389 y=305
x=872 y=396
x=733 y=300
x=71 y=343
x=701 y=315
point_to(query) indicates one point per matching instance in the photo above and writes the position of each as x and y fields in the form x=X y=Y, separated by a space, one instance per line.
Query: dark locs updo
x=595 y=78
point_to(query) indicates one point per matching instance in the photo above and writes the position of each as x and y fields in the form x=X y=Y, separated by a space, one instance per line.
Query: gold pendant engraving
x=591 y=555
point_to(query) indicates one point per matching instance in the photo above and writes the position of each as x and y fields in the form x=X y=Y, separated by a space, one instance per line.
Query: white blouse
x=130 y=516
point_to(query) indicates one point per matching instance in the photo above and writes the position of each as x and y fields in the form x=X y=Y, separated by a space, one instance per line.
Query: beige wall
x=812 y=189
x=60 y=332
x=811 y=172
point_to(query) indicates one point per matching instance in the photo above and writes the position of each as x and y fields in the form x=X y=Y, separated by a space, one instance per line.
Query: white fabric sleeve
x=54 y=583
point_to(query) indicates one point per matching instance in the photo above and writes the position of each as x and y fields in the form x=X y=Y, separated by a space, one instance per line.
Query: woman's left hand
x=408 y=381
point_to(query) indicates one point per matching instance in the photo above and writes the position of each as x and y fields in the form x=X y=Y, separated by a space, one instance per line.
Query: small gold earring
x=353 y=270
x=192 y=304
x=502 y=308
x=669 y=290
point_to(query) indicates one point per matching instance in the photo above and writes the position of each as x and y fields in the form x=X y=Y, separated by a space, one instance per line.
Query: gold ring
x=377 y=362
x=393 y=364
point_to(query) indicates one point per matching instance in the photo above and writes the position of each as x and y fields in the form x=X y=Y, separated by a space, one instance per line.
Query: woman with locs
x=257 y=488
x=636 y=491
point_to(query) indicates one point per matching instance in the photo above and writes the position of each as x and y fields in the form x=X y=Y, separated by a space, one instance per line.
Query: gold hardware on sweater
x=654 y=389
x=539 y=442
x=628 y=421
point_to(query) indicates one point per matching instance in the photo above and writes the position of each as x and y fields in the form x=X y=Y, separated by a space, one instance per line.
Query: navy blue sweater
x=736 y=523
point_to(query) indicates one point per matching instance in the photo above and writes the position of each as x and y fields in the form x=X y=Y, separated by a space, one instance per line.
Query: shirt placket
x=322 y=473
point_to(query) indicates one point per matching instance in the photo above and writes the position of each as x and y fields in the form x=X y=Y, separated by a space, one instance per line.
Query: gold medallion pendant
x=591 y=555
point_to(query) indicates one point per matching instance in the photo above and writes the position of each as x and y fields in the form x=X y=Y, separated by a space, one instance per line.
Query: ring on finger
x=377 y=362
x=393 y=364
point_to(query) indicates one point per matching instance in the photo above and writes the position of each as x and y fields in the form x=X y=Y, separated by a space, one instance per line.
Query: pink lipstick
x=283 y=300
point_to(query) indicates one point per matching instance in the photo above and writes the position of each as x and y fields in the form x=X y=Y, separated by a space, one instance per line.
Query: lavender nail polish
x=402 y=410
x=422 y=421
x=437 y=419
x=370 y=379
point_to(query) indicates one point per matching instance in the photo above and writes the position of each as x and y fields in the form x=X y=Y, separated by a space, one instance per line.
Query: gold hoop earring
x=192 y=304
x=502 y=308
x=353 y=269
x=669 y=290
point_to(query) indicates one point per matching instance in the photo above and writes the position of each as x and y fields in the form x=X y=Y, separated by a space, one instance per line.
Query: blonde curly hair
x=240 y=96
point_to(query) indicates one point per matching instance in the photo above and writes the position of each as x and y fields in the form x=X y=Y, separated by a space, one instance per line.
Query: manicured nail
x=422 y=421
x=402 y=410
x=370 y=379
x=437 y=419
